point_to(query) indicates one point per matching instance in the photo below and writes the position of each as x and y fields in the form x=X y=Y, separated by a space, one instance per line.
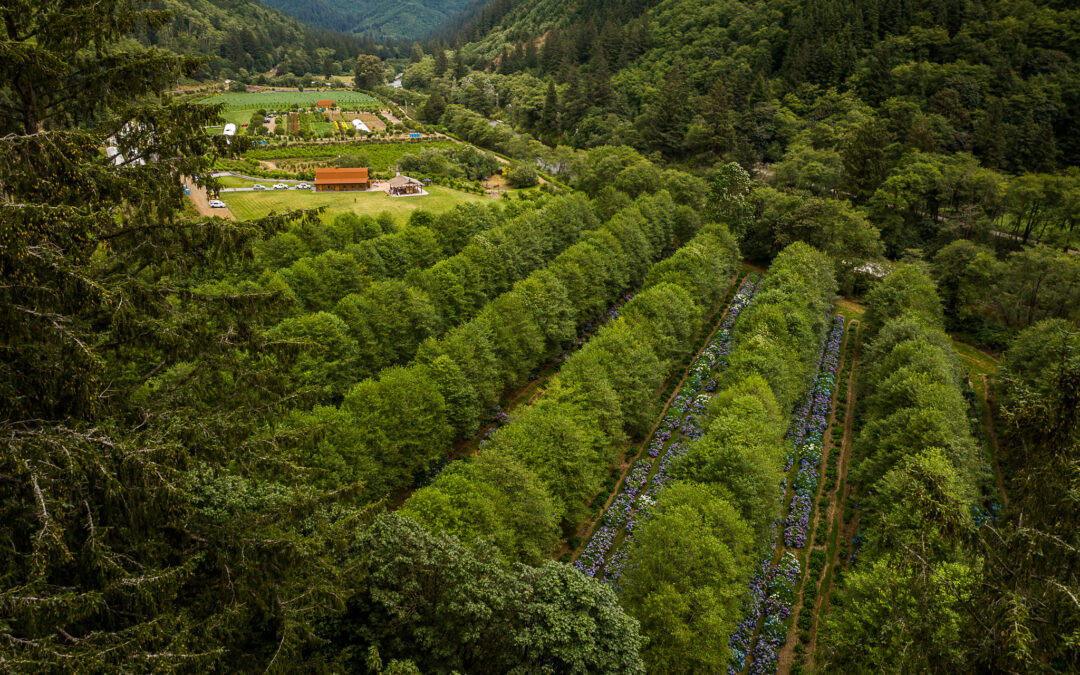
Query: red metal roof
x=340 y=176
x=325 y=104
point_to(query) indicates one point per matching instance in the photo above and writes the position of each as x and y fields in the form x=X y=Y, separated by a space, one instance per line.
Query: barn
x=332 y=180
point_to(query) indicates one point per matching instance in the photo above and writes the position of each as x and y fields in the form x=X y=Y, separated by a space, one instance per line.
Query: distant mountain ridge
x=409 y=19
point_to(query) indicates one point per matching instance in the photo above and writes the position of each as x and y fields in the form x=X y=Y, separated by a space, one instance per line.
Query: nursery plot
x=280 y=100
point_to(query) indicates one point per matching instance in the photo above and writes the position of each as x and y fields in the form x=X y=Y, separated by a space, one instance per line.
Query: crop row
x=807 y=440
x=536 y=474
x=280 y=100
x=380 y=154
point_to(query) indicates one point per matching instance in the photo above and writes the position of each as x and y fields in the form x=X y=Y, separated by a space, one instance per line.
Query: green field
x=246 y=205
x=380 y=156
x=279 y=100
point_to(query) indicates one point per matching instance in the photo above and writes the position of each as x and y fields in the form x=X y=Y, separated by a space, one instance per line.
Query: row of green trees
x=690 y=562
x=367 y=249
x=536 y=475
x=394 y=426
x=422 y=602
x=918 y=469
x=358 y=323
x=941 y=583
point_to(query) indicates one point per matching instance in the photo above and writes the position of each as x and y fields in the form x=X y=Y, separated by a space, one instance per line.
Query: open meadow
x=247 y=205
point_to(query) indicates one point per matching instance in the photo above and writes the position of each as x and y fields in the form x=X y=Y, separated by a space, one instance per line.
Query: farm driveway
x=202 y=202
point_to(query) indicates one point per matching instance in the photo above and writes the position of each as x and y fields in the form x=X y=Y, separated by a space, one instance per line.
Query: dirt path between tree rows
x=202 y=201
x=987 y=401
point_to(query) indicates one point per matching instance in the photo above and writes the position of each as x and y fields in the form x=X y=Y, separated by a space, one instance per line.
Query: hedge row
x=535 y=475
x=917 y=469
x=378 y=323
x=322 y=263
x=780 y=334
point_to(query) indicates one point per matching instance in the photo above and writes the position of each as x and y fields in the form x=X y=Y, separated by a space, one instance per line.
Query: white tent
x=360 y=126
x=230 y=129
x=112 y=151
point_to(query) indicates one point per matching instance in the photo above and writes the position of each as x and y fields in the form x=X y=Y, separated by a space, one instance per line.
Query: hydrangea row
x=805 y=485
x=773 y=632
x=772 y=592
x=592 y=558
x=618 y=514
x=680 y=423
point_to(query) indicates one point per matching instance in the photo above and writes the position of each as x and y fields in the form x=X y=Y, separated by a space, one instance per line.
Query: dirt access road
x=202 y=202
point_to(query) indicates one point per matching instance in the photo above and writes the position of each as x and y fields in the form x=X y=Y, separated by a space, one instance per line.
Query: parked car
x=303 y=186
x=217 y=204
x=258 y=186
x=281 y=186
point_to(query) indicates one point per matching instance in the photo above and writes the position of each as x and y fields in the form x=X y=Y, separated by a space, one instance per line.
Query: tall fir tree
x=131 y=391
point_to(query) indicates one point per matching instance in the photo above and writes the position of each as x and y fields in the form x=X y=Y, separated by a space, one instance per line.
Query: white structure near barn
x=230 y=130
x=360 y=126
x=112 y=149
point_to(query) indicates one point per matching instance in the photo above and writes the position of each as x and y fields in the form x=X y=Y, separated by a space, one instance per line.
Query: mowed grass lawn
x=247 y=205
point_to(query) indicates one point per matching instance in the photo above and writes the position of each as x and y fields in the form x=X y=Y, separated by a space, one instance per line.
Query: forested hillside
x=242 y=37
x=408 y=19
x=699 y=80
